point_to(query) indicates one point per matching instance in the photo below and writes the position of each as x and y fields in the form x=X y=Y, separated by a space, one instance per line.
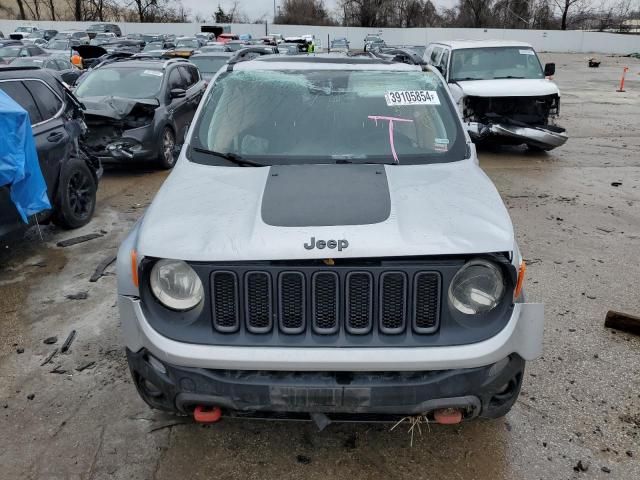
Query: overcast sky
x=257 y=8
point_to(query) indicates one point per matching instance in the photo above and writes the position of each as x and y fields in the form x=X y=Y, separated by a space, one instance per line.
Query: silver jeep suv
x=327 y=244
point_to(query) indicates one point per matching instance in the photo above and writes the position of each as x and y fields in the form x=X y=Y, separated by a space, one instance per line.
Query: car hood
x=205 y=213
x=115 y=108
x=509 y=87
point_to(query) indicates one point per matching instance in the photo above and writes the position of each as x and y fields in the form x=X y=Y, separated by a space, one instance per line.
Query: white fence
x=542 y=40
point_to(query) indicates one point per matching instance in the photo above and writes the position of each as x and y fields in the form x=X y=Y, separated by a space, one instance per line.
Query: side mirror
x=440 y=69
x=549 y=69
x=178 y=93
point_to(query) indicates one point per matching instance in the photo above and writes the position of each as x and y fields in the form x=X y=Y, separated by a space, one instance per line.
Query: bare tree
x=303 y=12
x=23 y=15
x=564 y=6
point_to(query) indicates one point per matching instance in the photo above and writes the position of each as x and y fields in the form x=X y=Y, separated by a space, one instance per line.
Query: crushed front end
x=515 y=120
x=121 y=129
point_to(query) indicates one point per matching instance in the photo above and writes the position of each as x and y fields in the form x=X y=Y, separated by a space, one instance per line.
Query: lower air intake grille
x=393 y=302
x=224 y=292
x=359 y=302
x=292 y=302
x=258 y=305
x=426 y=302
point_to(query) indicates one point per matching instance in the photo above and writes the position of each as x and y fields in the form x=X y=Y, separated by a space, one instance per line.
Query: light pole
x=274 y=11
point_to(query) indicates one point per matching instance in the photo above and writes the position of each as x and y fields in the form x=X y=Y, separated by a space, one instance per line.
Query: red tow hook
x=203 y=414
x=448 y=416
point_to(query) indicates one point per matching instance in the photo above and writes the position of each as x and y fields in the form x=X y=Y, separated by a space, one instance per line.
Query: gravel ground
x=579 y=413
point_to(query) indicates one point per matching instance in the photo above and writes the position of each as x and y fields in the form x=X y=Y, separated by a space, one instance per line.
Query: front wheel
x=76 y=198
x=167 y=159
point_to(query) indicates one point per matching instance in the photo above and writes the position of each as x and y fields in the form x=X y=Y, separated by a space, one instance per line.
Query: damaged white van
x=502 y=91
x=327 y=247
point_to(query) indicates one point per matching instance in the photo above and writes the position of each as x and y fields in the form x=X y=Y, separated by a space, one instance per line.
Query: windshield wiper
x=232 y=157
x=508 y=76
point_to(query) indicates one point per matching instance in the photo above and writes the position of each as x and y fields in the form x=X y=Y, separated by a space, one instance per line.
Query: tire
x=76 y=197
x=166 y=158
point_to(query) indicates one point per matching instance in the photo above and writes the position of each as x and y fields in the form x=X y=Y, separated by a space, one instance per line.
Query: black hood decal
x=326 y=195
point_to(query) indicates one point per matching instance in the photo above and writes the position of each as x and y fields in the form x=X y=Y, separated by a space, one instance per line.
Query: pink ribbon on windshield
x=375 y=118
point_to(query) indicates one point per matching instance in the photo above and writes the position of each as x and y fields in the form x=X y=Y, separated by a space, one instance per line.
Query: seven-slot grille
x=324 y=301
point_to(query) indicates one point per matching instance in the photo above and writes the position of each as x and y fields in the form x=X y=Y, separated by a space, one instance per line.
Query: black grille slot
x=426 y=302
x=359 y=302
x=258 y=307
x=224 y=294
x=393 y=302
x=292 y=302
x=325 y=302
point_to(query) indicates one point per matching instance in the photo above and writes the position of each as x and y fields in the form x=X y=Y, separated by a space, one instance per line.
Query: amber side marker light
x=520 y=283
x=134 y=268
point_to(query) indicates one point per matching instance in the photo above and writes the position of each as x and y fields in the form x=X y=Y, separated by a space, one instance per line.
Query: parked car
x=63 y=67
x=102 y=38
x=158 y=48
x=210 y=63
x=11 y=51
x=372 y=41
x=289 y=265
x=340 y=45
x=185 y=46
x=501 y=91
x=62 y=47
x=97 y=28
x=213 y=48
x=276 y=37
x=138 y=109
x=235 y=45
x=227 y=37
x=57 y=122
x=289 y=48
x=22 y=31
x=73 y=35
x=39 y=37
x=152 y=37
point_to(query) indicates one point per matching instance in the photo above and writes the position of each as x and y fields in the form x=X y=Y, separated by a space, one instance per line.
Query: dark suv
x=136 y=109
x=96 y=28
x=57 y=123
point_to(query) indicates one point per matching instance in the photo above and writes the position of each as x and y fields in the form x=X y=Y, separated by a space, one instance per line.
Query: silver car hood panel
x=205 y=213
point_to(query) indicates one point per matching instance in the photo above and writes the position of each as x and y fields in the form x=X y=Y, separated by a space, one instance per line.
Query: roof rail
x=10 y=68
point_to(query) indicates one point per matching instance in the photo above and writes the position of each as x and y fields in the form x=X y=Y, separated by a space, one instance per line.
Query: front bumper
x=522 y=335
x=488 y=391
x=545 y=138
x=135 y=144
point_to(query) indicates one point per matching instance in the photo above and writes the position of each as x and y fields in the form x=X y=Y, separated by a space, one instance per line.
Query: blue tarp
x=19 y=166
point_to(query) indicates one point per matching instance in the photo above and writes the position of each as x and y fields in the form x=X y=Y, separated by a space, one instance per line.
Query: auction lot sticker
x=411 y=97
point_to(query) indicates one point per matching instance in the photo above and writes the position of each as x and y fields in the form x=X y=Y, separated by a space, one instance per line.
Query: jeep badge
x=320 y=244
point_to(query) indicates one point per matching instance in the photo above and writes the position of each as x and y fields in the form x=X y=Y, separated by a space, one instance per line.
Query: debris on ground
x=622 y=321
x=99 y=272
x=31 y=396
x=616 y=184
x=81 y=239
x=594 y=63
x=49 y=357
x=581 y=466
x=606 y=469
x=413 y=421
x=67 y=343
x=59 y=370
x=303 y=459
x=50 y=340
x=19 y=350
x=85 y=365
x=78 y=296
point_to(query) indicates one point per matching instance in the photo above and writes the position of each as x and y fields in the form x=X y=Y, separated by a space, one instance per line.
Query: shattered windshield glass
x=330 y=116
x=124 y=82
x=494 y=63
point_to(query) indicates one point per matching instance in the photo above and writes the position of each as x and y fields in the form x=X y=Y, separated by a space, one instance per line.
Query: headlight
x=176 y=285
x=478 y=287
